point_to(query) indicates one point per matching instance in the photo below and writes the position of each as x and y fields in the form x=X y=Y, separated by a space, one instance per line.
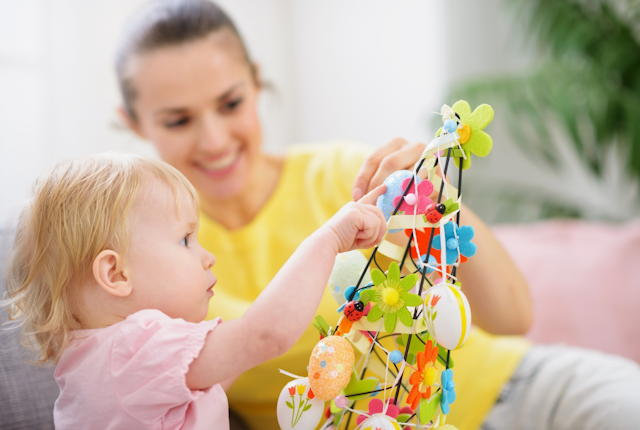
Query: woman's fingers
x=404 y=158
x=394 y=156
x=370 y=167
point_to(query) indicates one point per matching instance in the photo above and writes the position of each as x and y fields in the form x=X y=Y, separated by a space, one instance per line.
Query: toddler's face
x=168 y=268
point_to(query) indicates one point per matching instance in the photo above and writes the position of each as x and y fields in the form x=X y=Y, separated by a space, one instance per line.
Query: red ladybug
x=434 y=212
x=353 y=310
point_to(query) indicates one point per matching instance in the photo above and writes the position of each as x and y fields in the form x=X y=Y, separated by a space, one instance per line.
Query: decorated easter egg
x=380 y=421
x=298 y=407
x=346 y=271
x=447 y=315
x=394 y=189
x=330 y=366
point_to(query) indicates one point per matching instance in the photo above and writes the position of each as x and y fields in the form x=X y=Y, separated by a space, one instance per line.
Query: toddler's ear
x=108 y=271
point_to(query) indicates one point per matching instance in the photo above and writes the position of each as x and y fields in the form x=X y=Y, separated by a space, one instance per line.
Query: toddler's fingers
x=377 y=228
x=371 y=197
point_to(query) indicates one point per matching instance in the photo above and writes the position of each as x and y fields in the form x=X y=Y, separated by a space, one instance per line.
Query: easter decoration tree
x=416 y=306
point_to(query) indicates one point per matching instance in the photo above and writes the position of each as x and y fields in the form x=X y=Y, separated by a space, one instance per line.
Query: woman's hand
x=395 y=155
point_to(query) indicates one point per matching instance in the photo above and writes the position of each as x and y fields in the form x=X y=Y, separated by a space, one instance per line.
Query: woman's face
x=197 y=103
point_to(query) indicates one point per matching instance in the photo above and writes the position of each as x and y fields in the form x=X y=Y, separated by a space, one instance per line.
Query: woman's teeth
x=221 y=163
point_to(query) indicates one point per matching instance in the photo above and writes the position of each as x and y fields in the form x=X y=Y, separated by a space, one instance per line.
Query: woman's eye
x=177 y=122
x=185 y=241
x=231 y=105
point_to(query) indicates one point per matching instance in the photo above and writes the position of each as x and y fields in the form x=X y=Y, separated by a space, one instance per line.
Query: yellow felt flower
x=473 y=139
x=391 y=296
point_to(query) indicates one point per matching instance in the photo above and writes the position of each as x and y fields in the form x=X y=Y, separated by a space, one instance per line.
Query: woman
x=190 y=88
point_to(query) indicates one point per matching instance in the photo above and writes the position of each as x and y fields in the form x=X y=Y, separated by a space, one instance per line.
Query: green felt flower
x=391 y=296
x=472 y=139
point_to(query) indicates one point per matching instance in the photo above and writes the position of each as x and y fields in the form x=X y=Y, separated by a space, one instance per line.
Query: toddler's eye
x=185 y=241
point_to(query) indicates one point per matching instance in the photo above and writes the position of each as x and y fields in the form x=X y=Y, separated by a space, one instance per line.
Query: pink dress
x=131 y=375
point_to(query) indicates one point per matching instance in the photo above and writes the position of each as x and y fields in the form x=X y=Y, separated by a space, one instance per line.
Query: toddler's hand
x=358 y=225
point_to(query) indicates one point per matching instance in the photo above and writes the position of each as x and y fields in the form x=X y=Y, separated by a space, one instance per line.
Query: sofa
x=27 y=392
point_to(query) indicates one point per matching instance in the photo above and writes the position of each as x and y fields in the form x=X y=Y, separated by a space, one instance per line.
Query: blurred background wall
x=366 y=70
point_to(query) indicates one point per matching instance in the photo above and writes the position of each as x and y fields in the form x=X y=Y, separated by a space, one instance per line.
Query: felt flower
x=391 y=296
x=376 y=406
x=456 y=238
x=412 y=204
x=423 y=236
x=448 y=391
x=472 y=139
x=425 y=376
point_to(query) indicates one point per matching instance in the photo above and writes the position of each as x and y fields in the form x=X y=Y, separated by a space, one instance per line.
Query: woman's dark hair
x=162 y=23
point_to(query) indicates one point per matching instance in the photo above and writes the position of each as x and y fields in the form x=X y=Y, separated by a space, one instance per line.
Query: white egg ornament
x=330 y=366
x=298 y=407
x=380 y=422
x=346 y=271
x=447 y=315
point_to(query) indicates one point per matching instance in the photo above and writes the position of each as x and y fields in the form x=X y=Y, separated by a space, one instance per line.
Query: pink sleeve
x=150 y=358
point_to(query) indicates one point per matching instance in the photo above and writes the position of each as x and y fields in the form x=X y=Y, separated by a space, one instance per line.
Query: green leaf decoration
x=366 y=296
x=405 y=317
x=355 y=386
x=429 y=407
x=450 y=206
x=403 y=418
x=306 y=408
x=390 y=322
x=443 y=359
x=289 y=405
x=415 y=346
x=321 y=325
x=433 y=317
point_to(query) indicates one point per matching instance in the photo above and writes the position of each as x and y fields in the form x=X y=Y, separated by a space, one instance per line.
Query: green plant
x=587 y=84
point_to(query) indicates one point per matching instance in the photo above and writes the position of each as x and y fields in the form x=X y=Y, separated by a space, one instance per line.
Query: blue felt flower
x=347 y=295
x=457 y=238
x=448 y=391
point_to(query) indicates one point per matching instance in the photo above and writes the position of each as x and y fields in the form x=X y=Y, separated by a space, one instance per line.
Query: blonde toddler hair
x=78 y=209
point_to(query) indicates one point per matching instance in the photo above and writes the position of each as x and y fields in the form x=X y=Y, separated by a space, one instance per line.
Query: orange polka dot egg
x=330 y=366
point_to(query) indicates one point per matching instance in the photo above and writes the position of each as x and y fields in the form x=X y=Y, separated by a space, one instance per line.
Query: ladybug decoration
x=354 y=310
x=435 y=212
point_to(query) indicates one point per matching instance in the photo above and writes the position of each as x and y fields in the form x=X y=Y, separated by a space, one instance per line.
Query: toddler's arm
x=285 y=308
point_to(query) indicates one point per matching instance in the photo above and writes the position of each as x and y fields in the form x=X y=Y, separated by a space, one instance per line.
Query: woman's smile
x=221 y=166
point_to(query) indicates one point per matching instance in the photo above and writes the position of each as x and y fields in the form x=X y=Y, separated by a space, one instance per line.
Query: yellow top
x=315 y=182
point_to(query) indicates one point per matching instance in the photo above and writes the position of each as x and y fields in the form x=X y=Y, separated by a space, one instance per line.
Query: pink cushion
x=584 y=279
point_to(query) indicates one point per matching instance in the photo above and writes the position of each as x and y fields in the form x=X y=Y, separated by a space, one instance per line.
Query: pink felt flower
x=411 y=203
x=376 y=406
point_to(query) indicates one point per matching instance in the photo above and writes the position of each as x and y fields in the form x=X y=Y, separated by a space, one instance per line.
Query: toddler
x=110 y=280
